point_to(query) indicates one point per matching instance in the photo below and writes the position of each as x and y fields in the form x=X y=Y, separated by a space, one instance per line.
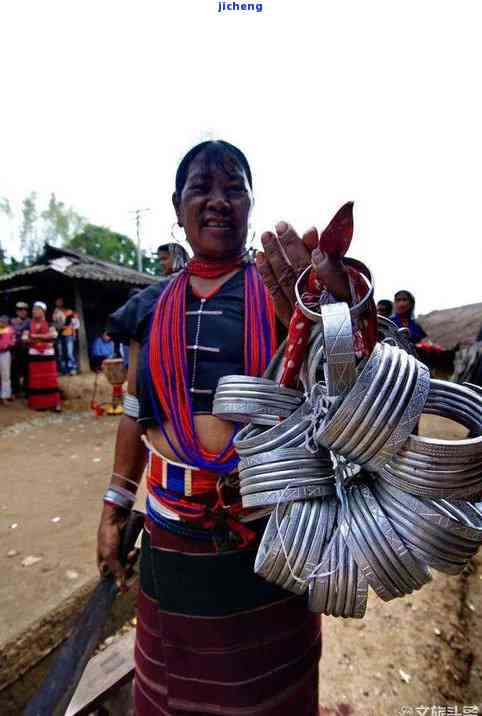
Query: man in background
x=66 y=324
x=20 y=323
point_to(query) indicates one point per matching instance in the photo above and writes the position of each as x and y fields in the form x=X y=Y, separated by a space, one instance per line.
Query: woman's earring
x=250 y=249
x=177 y=239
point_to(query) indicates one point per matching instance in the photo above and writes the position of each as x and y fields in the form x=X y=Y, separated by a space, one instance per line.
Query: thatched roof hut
x=453 y=326
x=93 y=287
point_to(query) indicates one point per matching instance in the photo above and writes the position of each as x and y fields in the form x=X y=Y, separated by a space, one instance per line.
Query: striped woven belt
x=183 y=480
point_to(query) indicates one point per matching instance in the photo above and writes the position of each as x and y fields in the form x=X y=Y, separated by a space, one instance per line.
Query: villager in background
x=43 y=389
x=19 y=352
x=385 y=308
x=212 y=636
x=7 y=342
x=404 y=303
x=102 y=348
x=66 y=324
x=172 y=257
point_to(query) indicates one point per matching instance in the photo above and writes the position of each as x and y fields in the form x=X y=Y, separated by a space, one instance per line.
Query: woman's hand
x=286 y=255
x=112 y=522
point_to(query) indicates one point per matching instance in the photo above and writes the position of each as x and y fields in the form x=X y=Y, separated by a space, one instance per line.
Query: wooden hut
x=94 y=288
x=452 y=327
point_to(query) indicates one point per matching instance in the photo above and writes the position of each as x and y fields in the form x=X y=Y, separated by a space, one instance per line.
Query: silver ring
x=289 y=494
x=341 y=412
x=339 y=366
x=355 y=311
x=244 y=411
x=299 y=587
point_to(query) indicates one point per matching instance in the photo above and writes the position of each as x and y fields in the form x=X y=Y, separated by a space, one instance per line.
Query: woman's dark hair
x=410 y=296
x=215 y=152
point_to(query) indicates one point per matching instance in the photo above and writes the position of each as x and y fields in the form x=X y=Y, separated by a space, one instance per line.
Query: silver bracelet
x=131 y=405
x=117 y=498
x=355 y=311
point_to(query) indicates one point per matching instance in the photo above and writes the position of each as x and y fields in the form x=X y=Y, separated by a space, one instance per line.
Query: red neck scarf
x=213 y=269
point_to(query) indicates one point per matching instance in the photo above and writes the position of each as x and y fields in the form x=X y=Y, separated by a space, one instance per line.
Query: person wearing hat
x=20 y=324
x=7 y=341
x=43 y=389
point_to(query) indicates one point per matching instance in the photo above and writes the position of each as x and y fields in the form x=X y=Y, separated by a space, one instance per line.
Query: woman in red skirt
x=43 y=388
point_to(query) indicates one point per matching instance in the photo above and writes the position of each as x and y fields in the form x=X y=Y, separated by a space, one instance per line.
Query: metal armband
x=131 y=405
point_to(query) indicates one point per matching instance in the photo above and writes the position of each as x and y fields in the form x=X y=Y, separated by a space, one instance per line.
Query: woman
x=43 y=389
x=212 y=637
x=404 y=303
x=172 y=258
x=7 y=343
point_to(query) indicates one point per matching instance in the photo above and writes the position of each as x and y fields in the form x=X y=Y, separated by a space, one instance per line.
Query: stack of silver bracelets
x=357 y=498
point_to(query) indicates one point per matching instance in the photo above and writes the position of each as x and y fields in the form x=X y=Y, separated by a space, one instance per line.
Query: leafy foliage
x=150 y=263
x=101 y=242
x=60 y=223
x=107 y=245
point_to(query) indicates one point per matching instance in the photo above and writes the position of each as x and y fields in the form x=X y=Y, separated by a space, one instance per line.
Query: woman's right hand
x=109 y=535
x=285 y=255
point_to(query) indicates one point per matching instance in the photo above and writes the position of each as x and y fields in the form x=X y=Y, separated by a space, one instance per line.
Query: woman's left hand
x=286 y=255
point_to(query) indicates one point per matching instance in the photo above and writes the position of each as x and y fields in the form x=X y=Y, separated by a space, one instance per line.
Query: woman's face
x=214 y=209
x=38 y=313
x=403 y=305
x=165 y=259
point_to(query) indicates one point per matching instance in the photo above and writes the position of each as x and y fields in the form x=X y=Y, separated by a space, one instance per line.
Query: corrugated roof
x=453 y=326
x=75 y=264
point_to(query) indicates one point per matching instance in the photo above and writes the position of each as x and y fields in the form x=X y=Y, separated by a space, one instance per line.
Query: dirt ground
x=424 y=650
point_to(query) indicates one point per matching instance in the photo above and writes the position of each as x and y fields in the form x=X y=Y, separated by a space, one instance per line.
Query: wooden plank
x=84 y=363
x=105 y=672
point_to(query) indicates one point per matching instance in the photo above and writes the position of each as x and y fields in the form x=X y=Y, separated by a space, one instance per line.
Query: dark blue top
x=415 y=330
x=215 y=337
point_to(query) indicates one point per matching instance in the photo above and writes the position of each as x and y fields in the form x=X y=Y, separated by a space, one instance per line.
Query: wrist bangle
x=128 y=494
x=131 y=405
x=118 y=499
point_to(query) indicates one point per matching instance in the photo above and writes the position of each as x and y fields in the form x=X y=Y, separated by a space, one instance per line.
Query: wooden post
x=84 y=364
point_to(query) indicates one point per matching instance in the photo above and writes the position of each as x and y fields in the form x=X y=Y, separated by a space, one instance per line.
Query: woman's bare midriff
x=213 y=434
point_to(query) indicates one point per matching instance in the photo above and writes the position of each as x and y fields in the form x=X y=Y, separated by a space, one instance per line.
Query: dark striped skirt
x=43 y=388
x=214 y=638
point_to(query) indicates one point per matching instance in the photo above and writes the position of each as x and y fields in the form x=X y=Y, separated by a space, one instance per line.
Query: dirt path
x=422 y=650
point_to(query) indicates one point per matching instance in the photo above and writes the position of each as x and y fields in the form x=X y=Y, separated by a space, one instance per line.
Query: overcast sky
x=372 y=100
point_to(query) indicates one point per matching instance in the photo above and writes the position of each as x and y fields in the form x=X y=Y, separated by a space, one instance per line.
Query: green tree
x=150 y=263
x=101 y=242
x=3 y=261
x=30 y=244
x=6 y=209
x=60 y=223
